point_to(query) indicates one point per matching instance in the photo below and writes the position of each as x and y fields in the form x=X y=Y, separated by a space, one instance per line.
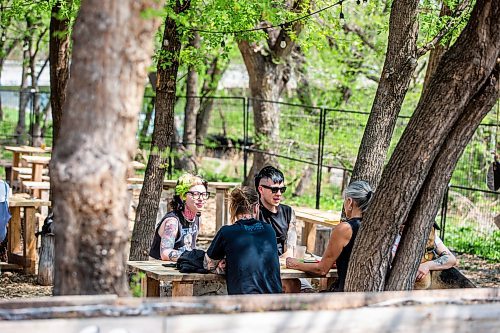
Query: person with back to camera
x=248 y=247
x=357 y=197
x=178 y=229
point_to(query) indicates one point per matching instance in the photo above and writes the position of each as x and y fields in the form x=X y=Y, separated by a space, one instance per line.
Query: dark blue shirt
x=252 y=263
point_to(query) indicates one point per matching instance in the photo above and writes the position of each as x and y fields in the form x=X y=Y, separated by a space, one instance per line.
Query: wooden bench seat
x=36 y=187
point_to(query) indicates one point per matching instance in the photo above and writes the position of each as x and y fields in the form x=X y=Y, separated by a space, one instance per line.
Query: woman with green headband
x=178 y=230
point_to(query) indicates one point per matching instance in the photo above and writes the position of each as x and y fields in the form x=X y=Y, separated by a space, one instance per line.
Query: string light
x=227 y=32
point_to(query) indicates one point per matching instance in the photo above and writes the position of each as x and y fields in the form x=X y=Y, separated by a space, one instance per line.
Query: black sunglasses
x=275 y=189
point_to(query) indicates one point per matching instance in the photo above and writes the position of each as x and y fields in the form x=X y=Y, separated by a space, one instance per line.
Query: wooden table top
x=28 y=149
x=45 y=160
x=155 y=270
x=21 y=200
x=317 y=216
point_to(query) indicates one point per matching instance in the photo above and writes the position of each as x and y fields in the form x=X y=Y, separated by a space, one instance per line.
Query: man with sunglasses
x=270 y=185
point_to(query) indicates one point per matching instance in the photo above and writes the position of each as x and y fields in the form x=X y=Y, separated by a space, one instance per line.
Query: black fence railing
x=315 y=146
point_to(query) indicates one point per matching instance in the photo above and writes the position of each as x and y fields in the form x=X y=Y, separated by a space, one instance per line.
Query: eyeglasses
x=275 y=189
x=198 y=195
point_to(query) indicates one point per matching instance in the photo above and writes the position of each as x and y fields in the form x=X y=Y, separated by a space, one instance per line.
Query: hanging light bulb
x=358 y=2
x=341 y=11
x=223 y=43
x=283 y=43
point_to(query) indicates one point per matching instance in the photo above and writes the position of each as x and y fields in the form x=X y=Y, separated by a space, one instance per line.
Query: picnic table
x=21 y=245
x=221 y=197
x=312 y=218
x=182 y=283
x=17 y=151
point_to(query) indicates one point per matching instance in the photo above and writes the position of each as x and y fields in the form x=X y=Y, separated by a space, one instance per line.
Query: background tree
x=464 y=76
x=400 y=63
x=90 y=161
x=168 y=64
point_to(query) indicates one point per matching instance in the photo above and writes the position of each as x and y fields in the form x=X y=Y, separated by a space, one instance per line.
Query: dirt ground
x=17 y=285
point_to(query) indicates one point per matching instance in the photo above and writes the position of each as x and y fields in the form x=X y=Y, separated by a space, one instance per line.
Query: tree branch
x=446 y=29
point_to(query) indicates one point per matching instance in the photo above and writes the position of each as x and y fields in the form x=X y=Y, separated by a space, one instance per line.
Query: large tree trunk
x=192 y=103
x=59 y=55
x=149 y=198
x=400 y=63
x=461 y=75
x=421 y=218
x=112 y=50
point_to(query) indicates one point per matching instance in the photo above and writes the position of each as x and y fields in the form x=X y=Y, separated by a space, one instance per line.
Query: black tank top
x=345 y=255
x=185 y=240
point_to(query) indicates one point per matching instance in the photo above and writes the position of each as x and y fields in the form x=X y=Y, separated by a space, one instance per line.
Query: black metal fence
x=316 y=147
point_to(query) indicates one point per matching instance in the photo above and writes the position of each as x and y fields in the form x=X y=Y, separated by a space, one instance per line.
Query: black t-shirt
x=252 y=264
x=280 y=222
x=345 y=255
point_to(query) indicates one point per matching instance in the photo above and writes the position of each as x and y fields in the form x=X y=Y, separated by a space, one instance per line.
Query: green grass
x=466 y=239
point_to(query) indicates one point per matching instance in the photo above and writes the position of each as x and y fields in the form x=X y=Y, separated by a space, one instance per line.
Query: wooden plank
x=309 y=236
x=41 y=160
x=150 y=287
x=14 y=231
x=106 y=306
x=182 y=288
x=30 y=227
x=18 y=200
x=219 y=206
x=4 y=266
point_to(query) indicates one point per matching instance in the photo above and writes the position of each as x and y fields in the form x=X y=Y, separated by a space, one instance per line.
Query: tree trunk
x=23 y=95
x=46 y=262
x=192 y=103
x=59 y=55
x=113 y=44
x=214 y=73
x=400 y=63
x=149 y=198
x=461 y=74
x=421 y=218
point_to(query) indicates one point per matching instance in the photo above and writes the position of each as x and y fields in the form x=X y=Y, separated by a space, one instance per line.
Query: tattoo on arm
x=168 y=239
x=443 y=259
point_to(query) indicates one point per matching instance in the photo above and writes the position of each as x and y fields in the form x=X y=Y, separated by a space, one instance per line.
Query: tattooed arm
x=168 y=232
x=214 y=266
x=445 y=260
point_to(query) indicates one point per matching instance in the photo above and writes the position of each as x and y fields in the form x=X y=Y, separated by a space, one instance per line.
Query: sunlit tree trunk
x=113 y=45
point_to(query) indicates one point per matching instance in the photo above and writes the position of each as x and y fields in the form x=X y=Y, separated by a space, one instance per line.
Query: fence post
x=246 y=105
x=444 y=210
x=321 y=141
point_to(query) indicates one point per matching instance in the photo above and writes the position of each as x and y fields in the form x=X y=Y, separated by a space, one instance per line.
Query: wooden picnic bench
x=312 y=218
x=182 y=283
x=18 y=151
x=21 y=245
x=221 y=197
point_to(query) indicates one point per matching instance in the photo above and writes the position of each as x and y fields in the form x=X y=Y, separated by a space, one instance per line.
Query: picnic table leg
x=29 y=239
x=15 y=163
x=309 y=236
x=150 y=287
x=324 y=283
x=219 y=209
x=182 y=288
x=36 y=172
x=14 y=232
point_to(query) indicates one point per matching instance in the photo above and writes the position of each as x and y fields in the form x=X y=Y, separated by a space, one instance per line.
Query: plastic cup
x=300 y=252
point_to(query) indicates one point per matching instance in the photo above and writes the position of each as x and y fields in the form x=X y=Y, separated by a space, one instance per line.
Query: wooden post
x=182 y=288
x=309 y=236
x=150 y=287
x=29 y=250
x=322 y=239
x=14 y=232
x=219 y=207
x=46 y=264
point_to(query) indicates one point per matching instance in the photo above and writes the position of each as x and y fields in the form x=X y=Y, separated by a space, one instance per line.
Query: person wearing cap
x=357 y=198
x=178 y=229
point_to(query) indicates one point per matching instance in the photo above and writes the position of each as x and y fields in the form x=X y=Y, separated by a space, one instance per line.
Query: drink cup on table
x=300 y=252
